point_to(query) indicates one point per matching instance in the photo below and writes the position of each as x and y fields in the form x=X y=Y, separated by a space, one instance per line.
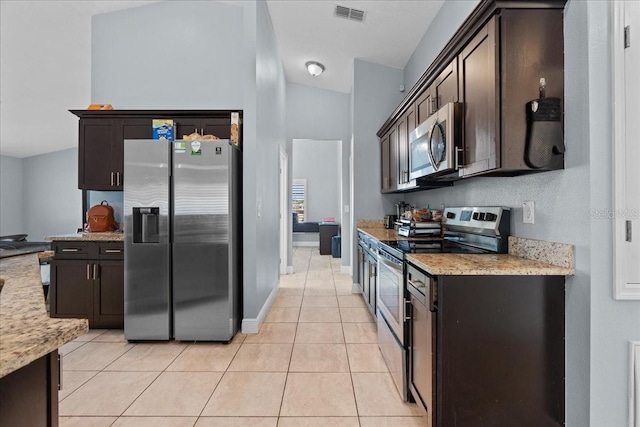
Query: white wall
x=207 y=55
x=375 y=95
x=45 y=69
x=319 y=163
x=261 y=156
x=11 y=196
x=449 y=18
x=52 y=201
x=168 y=55
x=314 y=113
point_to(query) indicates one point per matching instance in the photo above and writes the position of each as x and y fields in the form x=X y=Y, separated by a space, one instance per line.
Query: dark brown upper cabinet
x=500 y=73
x=406 y=125
x=101 y=147
x=389 y=161
x=102 y=134
x=493 y=66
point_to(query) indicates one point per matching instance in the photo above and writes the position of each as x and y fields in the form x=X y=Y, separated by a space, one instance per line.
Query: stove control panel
x=487 y=220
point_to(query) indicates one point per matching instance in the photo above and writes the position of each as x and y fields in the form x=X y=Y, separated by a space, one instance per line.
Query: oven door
x=391 y=302
x=434 y=146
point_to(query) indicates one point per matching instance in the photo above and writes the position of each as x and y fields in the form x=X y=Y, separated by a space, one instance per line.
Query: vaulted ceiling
x=45 y=64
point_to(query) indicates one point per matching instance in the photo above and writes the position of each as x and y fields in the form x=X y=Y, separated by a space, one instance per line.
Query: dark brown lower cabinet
x=108 y=298
x=29 y=396
x=91 y=287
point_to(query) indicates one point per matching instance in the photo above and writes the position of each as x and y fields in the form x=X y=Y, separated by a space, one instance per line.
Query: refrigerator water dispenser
x=146 y=225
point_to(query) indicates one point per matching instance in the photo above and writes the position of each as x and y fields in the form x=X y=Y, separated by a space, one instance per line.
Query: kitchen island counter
x=107 y=236
x=26 y=330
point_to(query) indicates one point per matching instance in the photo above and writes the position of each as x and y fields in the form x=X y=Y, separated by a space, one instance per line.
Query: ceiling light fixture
x=314 y=68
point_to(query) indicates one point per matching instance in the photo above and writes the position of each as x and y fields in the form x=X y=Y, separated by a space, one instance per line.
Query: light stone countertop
x=107 y=236
x=485 y=265
x=26 y=330
x=526 y=257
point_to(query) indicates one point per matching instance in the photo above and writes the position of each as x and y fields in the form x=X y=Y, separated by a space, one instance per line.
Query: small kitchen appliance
x=390 y=221
x=435 y=145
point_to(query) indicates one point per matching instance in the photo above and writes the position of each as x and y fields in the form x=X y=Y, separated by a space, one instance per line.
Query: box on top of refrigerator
x=163 y=129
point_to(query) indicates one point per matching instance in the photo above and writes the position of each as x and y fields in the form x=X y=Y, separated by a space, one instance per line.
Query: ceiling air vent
x=349 y=13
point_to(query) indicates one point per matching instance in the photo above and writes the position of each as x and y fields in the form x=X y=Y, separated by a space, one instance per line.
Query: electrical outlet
x=528 y=212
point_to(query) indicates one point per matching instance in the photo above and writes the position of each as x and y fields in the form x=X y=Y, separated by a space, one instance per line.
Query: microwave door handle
x=433 y=163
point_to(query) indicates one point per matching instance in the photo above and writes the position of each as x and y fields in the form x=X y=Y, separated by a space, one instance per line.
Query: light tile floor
x=314 y=363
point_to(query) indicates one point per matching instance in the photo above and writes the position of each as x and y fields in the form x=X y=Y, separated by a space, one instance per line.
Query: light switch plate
x=528 y=212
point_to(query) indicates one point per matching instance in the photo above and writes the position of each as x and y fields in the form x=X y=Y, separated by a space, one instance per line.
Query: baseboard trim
x=345 y=269
x=252 y=325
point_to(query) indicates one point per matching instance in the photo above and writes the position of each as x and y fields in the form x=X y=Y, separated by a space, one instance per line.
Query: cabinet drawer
x=74 y=250
x=111 y=250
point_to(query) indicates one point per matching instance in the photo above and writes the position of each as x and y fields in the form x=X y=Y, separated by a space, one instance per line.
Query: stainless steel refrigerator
x=183 y=236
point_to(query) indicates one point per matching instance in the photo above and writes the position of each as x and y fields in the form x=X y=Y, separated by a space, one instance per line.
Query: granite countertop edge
x=531 y=257
x=109 y=236
x=485 y=265
x=27 y=331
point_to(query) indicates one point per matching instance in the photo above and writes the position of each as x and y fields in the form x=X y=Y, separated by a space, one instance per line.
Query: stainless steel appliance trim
x=394 y=354
x=448 y=114
x=396 y=269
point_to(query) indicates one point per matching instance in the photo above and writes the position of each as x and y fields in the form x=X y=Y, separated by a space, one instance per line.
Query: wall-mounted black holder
x=545 y=138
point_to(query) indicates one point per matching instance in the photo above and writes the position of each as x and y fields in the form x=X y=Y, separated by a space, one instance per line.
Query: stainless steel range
x=465 y=230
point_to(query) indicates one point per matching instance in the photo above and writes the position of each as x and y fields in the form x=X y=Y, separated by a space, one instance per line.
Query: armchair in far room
x=304 y=227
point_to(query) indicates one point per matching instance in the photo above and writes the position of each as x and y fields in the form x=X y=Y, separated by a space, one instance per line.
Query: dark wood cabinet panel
x=406 y=125
x=492 y=66
x=71 y=288
x=445 y=87
x=109 y=295
x=91 y=288
x=389 y=161
x=95 y=152
x=403 y=151
x=423 y=106
x=479 y=75
x=29 y=396
x=384 y=164
x=102 y=135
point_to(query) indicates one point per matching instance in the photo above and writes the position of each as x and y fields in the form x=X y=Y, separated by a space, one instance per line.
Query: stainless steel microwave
x=434 y=146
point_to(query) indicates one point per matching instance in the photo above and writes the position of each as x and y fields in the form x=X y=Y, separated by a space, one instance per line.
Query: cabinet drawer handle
x=112 y=178
x=88 y=271
x=113 y=251
x=60 y=356
x=70 y=250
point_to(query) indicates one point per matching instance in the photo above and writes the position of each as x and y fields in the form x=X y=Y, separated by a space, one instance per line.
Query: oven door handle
x=395 y=266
